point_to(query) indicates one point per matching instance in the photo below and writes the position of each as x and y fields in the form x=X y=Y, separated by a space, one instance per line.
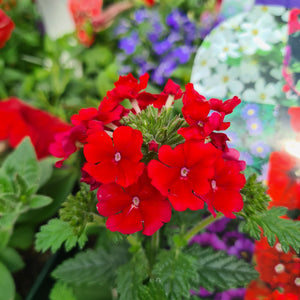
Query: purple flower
x=141 y=15
x=247 y=157
x=260 y=149
x=233 y=138
x=162 y=47
x=250 y=110
x=122 y=27
x=164 y=70
x=183 y=53
x=233 y=294
x=254 y=126
x=219 y=225
x=128 y=44
x=175 y=19
x=207 y=239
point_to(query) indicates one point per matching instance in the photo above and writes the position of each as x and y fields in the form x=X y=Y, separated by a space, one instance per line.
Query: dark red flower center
x=184 y=172
x=117 y=156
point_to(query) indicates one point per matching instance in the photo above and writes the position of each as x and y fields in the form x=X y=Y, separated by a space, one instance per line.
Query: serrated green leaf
x=61 y=291
x=287 y=231
x=23 y=161
x=154 y=291
x=131 y=276
x=38 y=201
x=177 y=273
x=7 y=286
x=11 y=259
x=92 y=266
x=218 y=270
x=54 y=234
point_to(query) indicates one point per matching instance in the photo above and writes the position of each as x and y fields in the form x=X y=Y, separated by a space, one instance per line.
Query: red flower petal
x=128 y=142
x=112 y=199
x=172 y=157
x=199 y=178
x=128 y=172
x=99 y=147
x=162 y=176
x=104 y=172
x=127 y=222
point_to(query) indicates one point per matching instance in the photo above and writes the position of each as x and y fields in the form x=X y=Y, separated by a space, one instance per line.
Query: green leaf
x=11 y=259
x=92 y=266
x=23 y=161
x=7 y=286
x=218 y=270
x=45 y=170
x=287 y=231
x=38 y=201
x=22 y=236
x=154 y=291
x=131 y=275
x=55 y=233
x=61 y=291
x=177 y=273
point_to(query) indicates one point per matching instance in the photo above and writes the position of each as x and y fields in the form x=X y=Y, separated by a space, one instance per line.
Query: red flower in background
x=116 y=160
x=6 y=28
x=149 y=2
x=284 y=180
x=83 y=11
x=294 y=112
x=293 y=23
x=19 y=120
x=183 y=171
x=138 y=207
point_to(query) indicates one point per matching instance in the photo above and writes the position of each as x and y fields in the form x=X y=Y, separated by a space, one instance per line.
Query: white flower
x=224 y=45
x=258 y=35
x=222 y=84
x=262 y=92
x=203 y=64
x=249 y=69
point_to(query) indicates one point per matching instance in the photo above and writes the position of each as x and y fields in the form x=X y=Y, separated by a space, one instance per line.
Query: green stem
x=199 y=226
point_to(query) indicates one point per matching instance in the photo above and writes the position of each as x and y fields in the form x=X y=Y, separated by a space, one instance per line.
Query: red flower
x=196 y=112
x=138 y=207
x=171 y=91
x=256 y=290
x=293 y=23
x=294 y=112
x=83 y=11
x=276 y=295
x=149 y=2
x=224 y=195
x=114 y=161
x=19 y=120
x=6 y=28
x=184 y=171
x=283 y=180
x=224 y=106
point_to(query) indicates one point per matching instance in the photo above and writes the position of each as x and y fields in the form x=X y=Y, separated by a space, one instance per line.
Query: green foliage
x=257 y=217
x=287 y=231
x=218 y=270
x=159 y=127
x=154 y=291
x=57 y=232
x=177 y=273
x=131 y=275
x=61 y=291
x=7 y=286
x=255 y=197
x=92 y=266
x=11 y=259
x=80 y=209
x=20 y=178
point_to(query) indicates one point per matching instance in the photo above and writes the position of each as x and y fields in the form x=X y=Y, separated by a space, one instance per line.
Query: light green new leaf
x=55 y=233
x=61 y=291
x=11 y=259
x=23 y=161
x=38 y=201
x=219 y=271
x=7 y=285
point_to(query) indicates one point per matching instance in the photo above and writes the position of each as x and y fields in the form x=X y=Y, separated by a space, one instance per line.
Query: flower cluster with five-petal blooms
x=137 y=191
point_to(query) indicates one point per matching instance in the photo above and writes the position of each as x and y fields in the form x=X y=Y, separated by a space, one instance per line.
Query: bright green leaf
x=11 y=259
x=7 y=286
x=38 y=201
x=61 y=291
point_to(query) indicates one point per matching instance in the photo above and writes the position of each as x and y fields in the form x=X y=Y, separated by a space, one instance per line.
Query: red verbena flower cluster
x=136 y=192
